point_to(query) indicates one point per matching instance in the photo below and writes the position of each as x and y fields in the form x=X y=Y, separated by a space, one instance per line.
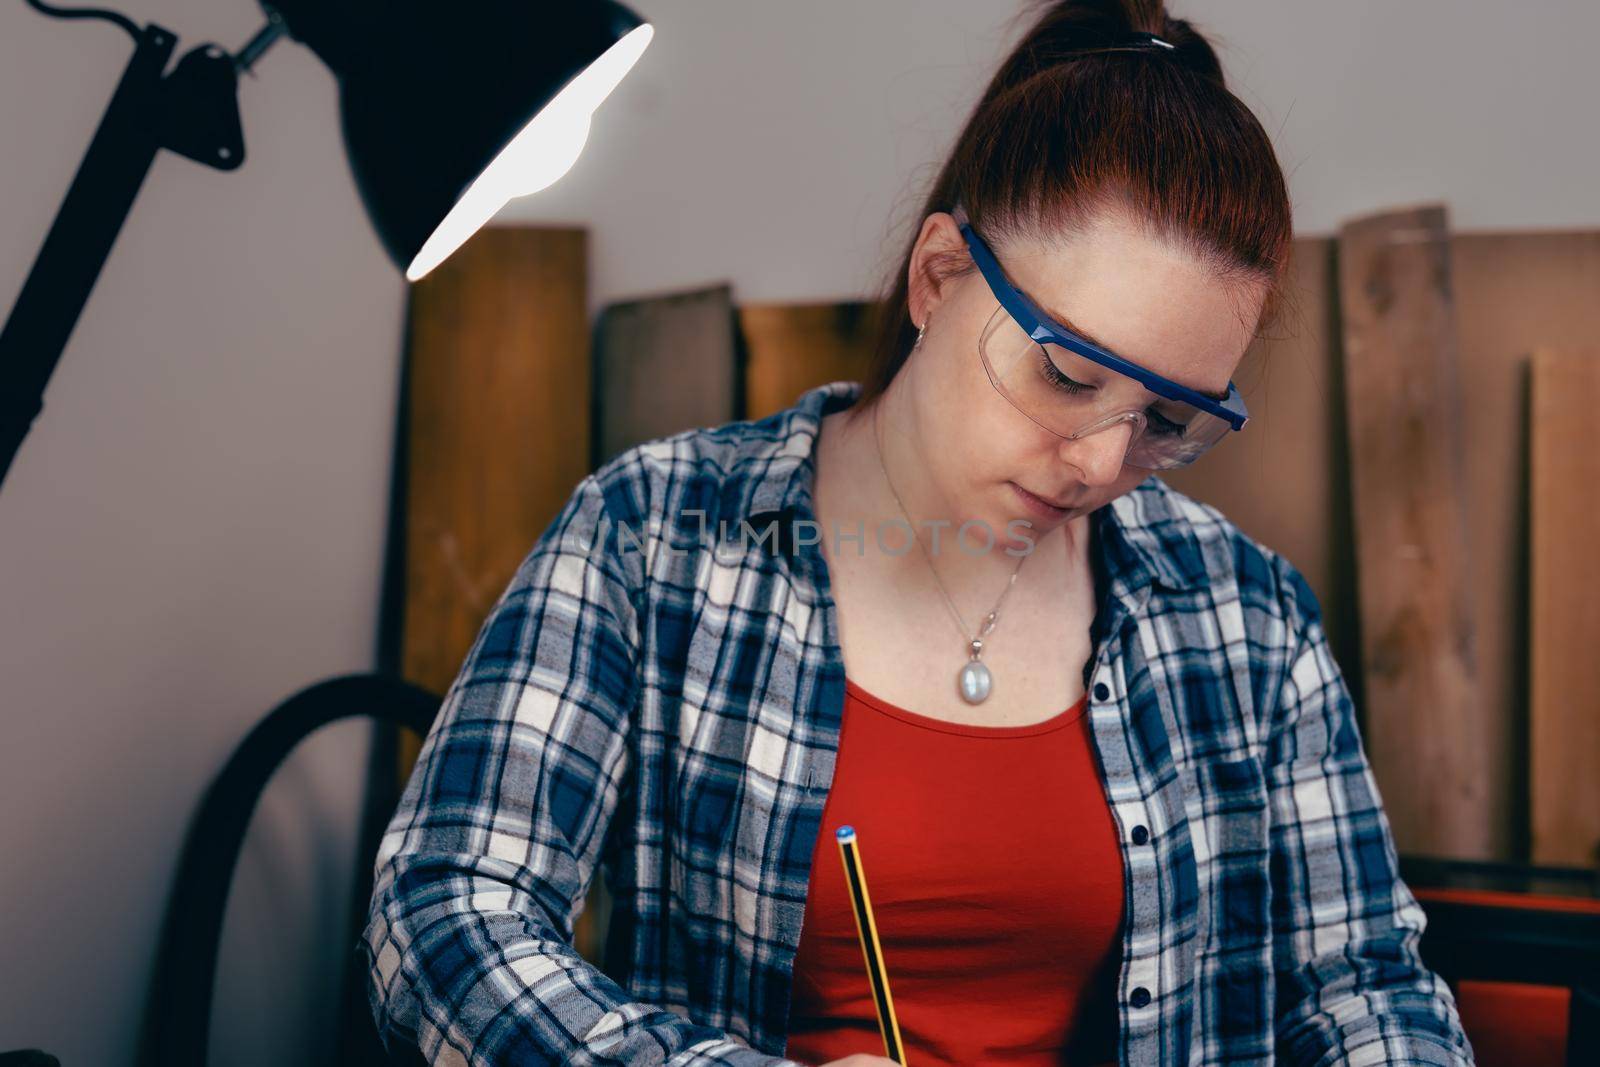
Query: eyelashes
x=1155 y=422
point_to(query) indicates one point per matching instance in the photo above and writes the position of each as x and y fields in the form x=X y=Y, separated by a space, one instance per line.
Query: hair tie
x=1142 y=39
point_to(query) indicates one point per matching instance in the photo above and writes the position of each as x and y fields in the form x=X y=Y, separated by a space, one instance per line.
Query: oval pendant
x=975 y=682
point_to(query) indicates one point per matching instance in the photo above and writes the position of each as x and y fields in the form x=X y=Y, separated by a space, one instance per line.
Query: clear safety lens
x=1068 y=394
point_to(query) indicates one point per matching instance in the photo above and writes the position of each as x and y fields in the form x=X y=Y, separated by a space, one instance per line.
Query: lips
x=1068 y=506
x=1063 y=506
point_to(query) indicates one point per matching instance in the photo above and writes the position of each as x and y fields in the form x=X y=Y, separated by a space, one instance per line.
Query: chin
x=1035 y=529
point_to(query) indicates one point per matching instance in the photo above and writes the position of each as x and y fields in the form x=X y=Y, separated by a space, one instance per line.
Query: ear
x=939 y=245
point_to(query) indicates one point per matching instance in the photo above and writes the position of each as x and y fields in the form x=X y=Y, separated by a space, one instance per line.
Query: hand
x=861 y=1059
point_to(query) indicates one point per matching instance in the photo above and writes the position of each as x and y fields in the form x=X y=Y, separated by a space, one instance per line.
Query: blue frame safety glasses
x=1048 y=373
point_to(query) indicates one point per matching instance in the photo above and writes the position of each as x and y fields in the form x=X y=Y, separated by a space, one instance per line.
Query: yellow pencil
x=861 y=902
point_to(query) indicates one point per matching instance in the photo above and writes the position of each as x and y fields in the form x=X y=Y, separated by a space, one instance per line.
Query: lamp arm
x=194 y=111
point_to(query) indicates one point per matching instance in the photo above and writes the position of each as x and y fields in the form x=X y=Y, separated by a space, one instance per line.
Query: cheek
x=977 y=428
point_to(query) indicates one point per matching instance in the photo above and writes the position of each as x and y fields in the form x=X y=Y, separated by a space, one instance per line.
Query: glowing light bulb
x=537 y=157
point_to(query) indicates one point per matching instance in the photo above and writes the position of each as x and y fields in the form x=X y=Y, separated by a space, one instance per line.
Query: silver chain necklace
x=974 y=682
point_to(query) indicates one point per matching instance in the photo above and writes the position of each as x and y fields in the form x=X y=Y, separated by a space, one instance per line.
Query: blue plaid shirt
x=659 y=692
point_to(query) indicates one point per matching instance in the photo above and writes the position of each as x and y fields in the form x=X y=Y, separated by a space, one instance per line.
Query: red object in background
x=1515 y=1024
x=1520 y=947
x=966 y=865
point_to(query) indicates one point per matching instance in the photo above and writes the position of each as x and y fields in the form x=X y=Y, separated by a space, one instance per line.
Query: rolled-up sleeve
x=1351 y=987
x=489 y=855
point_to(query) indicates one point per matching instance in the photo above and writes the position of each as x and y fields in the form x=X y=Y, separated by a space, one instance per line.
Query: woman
x=1105 y=773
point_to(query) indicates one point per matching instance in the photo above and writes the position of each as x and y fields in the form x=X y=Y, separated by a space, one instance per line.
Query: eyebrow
x=1073 y=327
x=1062 y=320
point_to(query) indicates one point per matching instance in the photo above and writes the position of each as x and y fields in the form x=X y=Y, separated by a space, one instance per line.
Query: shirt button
x=1140 y=835
x=1101 y=691
x=1141 y=997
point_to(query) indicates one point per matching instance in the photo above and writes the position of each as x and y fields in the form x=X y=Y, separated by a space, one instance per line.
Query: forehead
x=1140 y=297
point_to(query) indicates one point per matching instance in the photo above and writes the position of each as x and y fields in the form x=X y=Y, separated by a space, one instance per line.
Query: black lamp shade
x=431 y=93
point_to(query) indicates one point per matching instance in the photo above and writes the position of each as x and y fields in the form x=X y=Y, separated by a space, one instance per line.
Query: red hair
x=1064 y=133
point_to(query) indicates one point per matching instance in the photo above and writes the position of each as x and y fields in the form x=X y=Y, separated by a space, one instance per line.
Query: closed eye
x=1155 y=422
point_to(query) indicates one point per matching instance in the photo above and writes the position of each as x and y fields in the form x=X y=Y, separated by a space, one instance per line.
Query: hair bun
x=1062 y=31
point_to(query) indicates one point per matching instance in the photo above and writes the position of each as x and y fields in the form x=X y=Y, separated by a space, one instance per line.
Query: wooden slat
x=794 y=347
x=663 y=364
x=1515 y=292
x=499 y=424
x=1564 y=629
x=1426 y=728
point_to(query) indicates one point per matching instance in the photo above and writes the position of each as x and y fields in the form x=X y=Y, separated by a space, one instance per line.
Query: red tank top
x=996 y=879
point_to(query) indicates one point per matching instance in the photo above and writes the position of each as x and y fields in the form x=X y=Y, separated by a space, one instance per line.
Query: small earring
x=920 y=331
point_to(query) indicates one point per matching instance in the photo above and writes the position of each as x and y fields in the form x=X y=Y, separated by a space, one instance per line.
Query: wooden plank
x=1515 y=292
x=499 y=425
x=499 y=436
x=663 y=364
x=1564 y=626
x=1426 y=728
x=790 y=348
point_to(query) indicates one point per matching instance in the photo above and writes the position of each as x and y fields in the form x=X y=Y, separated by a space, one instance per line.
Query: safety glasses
x=1048 y=373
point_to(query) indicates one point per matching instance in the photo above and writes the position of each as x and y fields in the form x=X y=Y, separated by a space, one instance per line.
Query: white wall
x=194 y=529
x=780 y=151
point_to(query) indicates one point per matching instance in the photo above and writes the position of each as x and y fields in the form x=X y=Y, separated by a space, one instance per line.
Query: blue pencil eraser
x=844 y=832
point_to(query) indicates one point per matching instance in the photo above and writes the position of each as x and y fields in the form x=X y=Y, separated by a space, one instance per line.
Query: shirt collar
x=1144 y=537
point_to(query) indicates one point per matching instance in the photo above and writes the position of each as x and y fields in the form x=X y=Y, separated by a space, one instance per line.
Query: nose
x=1099 y=454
